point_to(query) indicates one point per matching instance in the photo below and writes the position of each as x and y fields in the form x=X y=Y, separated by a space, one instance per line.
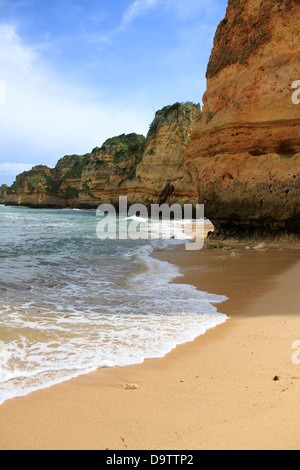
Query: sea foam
x=72 y=304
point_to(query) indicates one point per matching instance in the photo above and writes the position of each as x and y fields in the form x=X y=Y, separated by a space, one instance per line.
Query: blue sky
x=76 y=72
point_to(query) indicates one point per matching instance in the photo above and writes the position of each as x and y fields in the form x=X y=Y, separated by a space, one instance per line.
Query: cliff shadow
x=239 y=272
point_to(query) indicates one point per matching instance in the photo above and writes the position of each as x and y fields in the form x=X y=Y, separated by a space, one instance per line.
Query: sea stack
x=244 y=154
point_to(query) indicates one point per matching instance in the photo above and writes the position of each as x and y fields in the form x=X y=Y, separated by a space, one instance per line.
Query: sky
x=74 y=73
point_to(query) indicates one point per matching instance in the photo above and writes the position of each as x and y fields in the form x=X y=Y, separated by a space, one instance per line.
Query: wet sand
x=216 y=392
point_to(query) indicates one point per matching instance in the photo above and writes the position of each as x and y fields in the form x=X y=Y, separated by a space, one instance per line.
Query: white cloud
x=46 y=117
x=13 y=169
x=184 y=9
x=134 y=10
x=205 y=10
x=137 y=8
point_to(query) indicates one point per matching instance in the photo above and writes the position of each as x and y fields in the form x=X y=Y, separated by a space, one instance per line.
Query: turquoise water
x=70 y=303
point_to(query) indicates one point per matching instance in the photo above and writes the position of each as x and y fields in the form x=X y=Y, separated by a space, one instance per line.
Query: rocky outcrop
x=147 y=170
x=79 y=180
x=3 y=192
x=162 y=176
x=244 y=154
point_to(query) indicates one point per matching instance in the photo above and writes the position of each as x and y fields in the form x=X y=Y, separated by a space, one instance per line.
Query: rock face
x=3 y=192
x=244 y=154
x=147 y=170
x=162 y=175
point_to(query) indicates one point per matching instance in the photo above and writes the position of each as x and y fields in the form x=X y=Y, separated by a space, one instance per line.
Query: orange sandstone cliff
x=244 y=154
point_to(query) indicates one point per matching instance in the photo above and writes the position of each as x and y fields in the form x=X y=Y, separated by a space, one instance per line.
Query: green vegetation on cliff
x=43 y=180
x=3 y=191
x=70 y=193
x=74 y=164
x=124 y=147
x=180 y=113
x=36 y=180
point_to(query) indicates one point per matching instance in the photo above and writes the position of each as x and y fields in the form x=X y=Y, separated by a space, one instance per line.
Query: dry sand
x=217 y=392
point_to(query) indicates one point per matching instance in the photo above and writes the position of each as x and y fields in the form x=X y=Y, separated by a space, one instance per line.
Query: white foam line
x=173 y=328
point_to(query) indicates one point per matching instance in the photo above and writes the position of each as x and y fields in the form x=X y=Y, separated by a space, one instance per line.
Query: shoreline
x=199 y=396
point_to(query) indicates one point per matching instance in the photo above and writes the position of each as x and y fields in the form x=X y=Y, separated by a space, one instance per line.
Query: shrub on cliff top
x=3 y=190
x=74 y=164
x=179 y=112
x=35 y=179
x=124 y=147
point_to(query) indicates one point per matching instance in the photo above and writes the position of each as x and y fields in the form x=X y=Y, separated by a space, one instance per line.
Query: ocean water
x=71 y=303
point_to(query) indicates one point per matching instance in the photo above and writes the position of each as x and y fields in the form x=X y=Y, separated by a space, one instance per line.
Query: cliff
x=244 y=154
x=147 y=170
x=3 y=192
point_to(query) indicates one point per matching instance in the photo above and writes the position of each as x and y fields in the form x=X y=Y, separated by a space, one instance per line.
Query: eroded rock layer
x=244 y=154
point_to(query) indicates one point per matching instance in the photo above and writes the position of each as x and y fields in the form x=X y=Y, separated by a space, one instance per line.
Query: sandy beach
x=217 y=392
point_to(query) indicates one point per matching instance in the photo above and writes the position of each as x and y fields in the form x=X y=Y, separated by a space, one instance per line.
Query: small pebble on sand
x=131 y=387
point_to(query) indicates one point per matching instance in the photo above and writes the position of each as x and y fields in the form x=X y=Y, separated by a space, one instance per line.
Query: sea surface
x=71 y=303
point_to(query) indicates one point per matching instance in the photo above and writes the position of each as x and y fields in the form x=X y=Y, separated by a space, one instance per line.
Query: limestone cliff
x=147 y=170
x=3 y=192
x=244 y=154
x=162 y=175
